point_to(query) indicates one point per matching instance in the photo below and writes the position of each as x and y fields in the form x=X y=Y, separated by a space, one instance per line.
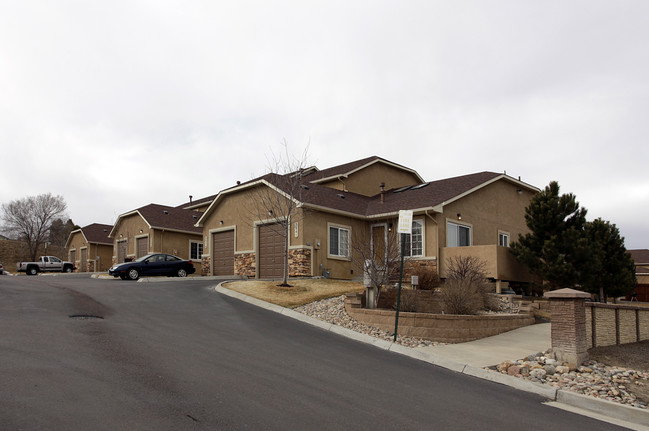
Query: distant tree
x=275 y=200
x=60 y=231
x=30 y=219
x=556 y=249
x=614 y=269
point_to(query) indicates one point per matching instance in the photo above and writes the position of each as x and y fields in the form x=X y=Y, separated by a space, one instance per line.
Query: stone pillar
x=568 y=328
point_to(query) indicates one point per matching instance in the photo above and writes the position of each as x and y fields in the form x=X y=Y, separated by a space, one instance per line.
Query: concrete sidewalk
x=486 y=352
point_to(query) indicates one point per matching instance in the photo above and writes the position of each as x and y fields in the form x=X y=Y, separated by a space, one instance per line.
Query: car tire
x=32 y=271
x=68 y=269
x=181 y=273
x=133 y=274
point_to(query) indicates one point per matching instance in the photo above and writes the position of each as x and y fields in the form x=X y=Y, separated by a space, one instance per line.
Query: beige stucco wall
x=176 y=243
x=101 y=254
x=366 y=182
x=496 y=207
x=128 y=228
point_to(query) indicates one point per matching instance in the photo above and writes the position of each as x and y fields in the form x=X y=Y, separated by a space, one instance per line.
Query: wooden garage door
x=84 y=260
x=271 y=252
x=223 y=253
x=121 y=251
x=142 y=246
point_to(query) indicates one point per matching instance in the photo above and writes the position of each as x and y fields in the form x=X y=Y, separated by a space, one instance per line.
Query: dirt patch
x=633 y=356
x=301 y=291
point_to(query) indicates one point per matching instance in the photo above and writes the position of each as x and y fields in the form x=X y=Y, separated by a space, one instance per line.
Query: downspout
x=340 y=178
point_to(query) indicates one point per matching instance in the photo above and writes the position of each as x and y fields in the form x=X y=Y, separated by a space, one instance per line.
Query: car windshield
x=143 y=258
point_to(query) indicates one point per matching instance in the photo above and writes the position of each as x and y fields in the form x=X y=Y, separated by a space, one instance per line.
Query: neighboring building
x=89 y=248
x=157 y=229
x=641 y=259
x=477 y=214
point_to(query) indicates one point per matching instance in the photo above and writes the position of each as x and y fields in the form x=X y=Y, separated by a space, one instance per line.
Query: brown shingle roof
x=164 y=217
x=427 y=195
x=640 y=256
x=197 y=202
x=97 y=233
x=348 y=168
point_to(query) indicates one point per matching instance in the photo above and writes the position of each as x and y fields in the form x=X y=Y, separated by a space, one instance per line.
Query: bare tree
x=30 y=218
x=276 y=199
x=378 y=259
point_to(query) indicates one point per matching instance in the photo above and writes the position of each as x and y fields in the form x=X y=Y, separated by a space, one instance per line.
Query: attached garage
x=142 y=246
x=271 y=251
x=83 y=264
x=121 y=251
x=223 y=253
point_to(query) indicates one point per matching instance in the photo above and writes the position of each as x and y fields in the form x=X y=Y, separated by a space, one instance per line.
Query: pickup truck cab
x=45 y=264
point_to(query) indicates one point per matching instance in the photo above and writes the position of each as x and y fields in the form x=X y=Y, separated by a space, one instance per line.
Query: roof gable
x=347 y=169
x=165 y=217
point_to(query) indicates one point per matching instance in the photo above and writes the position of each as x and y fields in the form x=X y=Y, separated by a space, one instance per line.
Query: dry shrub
x=408 y=301
x=466 y=290
x=461 y=297
x=428 y=278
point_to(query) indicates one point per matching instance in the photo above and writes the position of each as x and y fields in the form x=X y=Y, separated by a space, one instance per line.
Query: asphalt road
x=178 y=356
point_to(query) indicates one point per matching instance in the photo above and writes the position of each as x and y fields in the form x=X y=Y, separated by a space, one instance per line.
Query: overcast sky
x=118 y=104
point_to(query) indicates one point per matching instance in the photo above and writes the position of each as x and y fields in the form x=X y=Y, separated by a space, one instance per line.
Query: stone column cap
x=566 y=294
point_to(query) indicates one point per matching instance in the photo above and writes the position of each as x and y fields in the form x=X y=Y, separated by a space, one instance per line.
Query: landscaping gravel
x=332 y=310
x=592 y=378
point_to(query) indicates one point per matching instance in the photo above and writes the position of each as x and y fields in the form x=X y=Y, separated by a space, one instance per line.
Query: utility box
x=414 y=281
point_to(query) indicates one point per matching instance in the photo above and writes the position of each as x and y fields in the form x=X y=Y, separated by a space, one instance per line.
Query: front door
x=379 y=243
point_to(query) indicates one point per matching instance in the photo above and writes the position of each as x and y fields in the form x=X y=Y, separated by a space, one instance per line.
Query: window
x=415 y=241
x=338 y=241
x=195 y=250
x=458 y=235
x=503 y=239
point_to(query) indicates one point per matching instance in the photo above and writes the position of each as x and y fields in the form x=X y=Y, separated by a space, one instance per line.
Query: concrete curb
x=602 y=407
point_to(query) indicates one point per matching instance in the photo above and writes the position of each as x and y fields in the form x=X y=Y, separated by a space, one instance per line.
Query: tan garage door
x=121 y=251
x=271 y=252
x=142 y=246
x=223 y=253
x=84 y=260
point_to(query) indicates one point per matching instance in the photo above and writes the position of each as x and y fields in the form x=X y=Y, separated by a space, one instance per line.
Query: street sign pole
x=396 y=316
x=405 y=228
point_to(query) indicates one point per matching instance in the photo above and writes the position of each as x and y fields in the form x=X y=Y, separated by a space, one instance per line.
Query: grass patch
x=302 y=290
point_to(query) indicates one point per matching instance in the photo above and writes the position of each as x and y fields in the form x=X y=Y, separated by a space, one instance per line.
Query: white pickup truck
x=44 y=264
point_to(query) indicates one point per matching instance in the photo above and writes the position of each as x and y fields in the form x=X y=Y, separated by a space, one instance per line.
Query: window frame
x=408 y=249
x=459 y=225
x=339 y=228
x=503 y=234
x=199 y=251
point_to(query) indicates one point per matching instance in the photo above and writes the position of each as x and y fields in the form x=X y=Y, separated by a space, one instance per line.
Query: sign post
x=405 y=228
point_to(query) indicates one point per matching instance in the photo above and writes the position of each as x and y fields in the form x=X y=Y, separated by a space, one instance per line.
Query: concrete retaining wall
x=444 y=328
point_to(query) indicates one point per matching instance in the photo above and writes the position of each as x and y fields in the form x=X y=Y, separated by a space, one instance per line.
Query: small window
x=195 y=250
x=458 y=235
x=338 y=241
x=503 y=239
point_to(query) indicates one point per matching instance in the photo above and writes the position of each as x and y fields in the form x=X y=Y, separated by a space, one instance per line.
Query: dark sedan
x=153 y=264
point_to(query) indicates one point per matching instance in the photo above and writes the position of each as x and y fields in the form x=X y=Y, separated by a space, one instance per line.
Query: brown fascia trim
x=166 y=229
